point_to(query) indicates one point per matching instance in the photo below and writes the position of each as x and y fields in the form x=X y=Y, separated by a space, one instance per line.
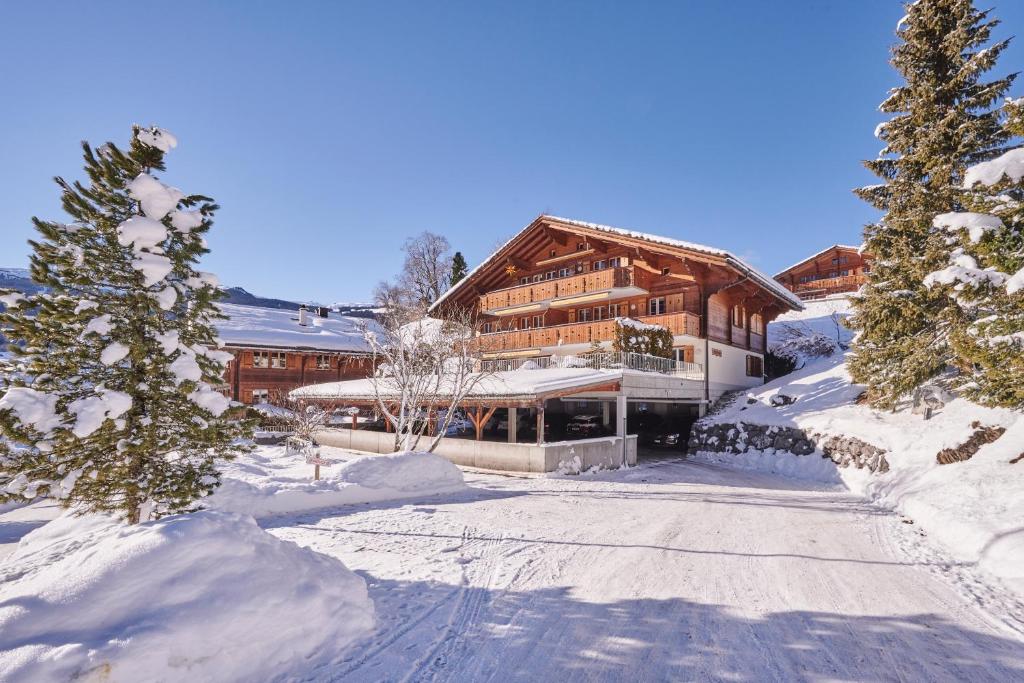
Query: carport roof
x=515 y=387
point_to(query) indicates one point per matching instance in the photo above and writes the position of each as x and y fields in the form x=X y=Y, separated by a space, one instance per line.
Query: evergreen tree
x=459 y=269
x=944 y=122
x=117 y=410
x=986 y=275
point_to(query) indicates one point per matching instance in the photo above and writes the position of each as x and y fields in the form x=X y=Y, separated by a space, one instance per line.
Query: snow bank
x=269 y=481
x=206 y=596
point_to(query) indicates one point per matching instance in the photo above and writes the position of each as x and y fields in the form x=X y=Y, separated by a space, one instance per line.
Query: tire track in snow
x=450 y=647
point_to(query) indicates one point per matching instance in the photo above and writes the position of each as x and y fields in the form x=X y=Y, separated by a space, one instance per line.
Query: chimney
x=303 y=316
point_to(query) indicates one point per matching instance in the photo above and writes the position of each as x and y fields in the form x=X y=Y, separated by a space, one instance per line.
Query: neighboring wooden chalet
x=838 y=269
x=556 y=288
x=279 y=350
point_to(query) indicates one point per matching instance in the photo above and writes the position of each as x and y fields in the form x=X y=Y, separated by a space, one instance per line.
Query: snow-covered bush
x=633 y=336
x=201 y=597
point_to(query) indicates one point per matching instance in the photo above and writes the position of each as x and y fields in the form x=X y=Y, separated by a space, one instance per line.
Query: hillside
x=809 y=424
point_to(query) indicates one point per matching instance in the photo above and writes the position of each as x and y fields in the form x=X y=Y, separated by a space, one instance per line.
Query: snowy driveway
x=670 y=571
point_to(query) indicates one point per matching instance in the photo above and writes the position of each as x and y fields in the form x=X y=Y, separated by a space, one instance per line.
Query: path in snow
x=670 y=571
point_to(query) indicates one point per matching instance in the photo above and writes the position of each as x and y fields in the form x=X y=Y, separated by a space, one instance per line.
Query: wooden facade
x=560 y=283
x=264 y=374
x=835 y=270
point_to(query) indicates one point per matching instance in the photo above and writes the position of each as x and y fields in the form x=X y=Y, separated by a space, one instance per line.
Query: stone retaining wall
x=742 y=437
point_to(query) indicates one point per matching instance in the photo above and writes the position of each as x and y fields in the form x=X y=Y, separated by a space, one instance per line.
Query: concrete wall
x=496 y=455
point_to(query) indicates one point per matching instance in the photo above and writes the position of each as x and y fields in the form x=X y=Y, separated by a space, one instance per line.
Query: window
x=551 y=254
x=538 y=321
x=581 y=246
x=279 y=360
x=524 y=323
x=583 y=315
x=524 y=280
x=261 y=359
x=488 y=328
x=755 y=366
x=844 y=273
x=738 y=315
x=563 y=272
x=323 y=362
x=665 y=270
x=538 y=277
x=835 y=261
x=656 y=305
x=614 y=262
x=613 y=310
x=682 y=354
x=599 y=265
x=550 y=275
x=260 y=395
x=757 y=324
x=842 y=259
x=599 y=313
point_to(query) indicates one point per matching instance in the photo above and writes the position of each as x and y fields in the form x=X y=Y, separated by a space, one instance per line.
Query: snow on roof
x=279 y=328
x=740 y=264
x=814 y=256
x=509 y=385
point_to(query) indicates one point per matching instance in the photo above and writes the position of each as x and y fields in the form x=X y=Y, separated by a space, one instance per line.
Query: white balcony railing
x=600 y=360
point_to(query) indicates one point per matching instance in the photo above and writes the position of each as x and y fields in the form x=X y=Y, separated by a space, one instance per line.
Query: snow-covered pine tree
x=986 y=274
x=944 y=122
x=117 y=411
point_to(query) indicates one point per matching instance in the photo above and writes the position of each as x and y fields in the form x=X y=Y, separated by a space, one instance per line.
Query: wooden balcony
x=549 y=290
x=826 y=286
x=580 y=333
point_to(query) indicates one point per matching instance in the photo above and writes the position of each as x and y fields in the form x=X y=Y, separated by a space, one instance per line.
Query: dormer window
x=581 y=246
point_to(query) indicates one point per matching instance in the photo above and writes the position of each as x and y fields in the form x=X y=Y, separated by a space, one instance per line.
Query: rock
x=782 y=400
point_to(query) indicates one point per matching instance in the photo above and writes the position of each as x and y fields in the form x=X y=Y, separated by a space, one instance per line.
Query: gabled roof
x=820 y=253
x=720 y=255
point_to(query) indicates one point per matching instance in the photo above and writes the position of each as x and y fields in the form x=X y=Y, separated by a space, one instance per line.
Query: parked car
x=585 y=425
x=646 y=426
x=669 y=439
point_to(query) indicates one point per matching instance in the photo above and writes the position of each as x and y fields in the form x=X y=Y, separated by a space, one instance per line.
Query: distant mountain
x=19 y=279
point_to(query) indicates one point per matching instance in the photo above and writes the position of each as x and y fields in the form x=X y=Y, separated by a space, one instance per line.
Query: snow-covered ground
x=973 y=508
x=673 y=570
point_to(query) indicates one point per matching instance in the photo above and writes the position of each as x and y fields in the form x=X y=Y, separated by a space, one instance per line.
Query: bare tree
x=427 y=269
x=425 y=370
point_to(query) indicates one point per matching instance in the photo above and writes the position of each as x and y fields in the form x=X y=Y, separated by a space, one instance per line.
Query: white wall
x=728 y=372
x=497 y=455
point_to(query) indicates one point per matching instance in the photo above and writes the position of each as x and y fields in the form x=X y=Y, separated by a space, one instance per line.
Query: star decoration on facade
x=511 y=270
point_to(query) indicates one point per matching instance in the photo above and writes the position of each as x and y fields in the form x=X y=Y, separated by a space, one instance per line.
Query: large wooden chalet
x=838 y=269
x=557 y=287
x=548 y=303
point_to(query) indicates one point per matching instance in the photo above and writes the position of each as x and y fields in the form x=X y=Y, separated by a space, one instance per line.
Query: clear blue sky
x=329 y=132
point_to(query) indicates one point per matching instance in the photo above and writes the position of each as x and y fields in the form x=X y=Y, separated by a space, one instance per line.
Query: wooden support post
x=355 y=422
x=513 y=424
x=540 y=424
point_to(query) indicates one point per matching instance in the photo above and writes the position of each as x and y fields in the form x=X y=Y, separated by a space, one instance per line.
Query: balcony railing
x=596 y=281
x=600 y=360
x=830 y=285
x=581 y=333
